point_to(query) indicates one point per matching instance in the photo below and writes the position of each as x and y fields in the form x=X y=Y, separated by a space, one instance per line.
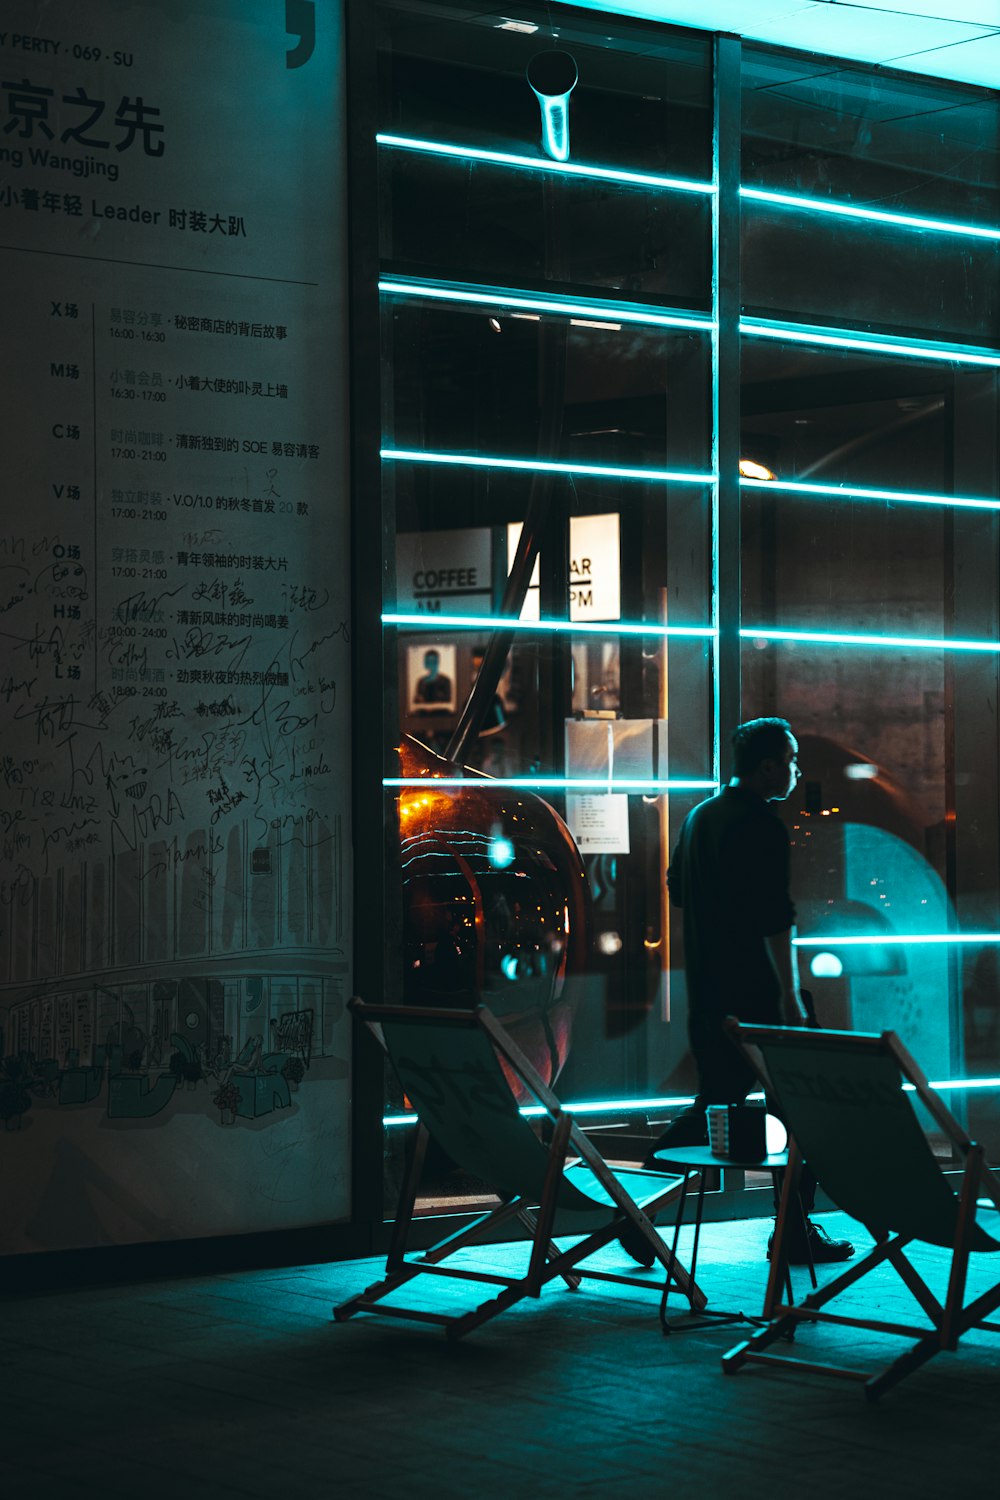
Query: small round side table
x=695 y=1162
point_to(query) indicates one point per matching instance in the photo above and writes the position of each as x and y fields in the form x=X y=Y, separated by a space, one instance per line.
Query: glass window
x=467 y=218
x=554 y=681
x=550 y=465
x=895 y=150
x=851 y=134
x=490 y=380
x=869 y=558
x=642 y=101
x=641 y=105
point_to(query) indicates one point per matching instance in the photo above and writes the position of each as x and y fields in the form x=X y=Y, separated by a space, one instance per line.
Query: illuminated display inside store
x=845 y=425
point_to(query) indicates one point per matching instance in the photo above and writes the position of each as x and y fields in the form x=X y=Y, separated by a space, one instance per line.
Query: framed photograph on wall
x=430 y=679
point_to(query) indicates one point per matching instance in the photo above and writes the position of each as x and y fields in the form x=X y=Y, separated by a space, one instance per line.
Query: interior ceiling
x=957 y=39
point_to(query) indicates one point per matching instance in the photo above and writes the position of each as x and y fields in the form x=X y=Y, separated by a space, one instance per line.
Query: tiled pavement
x=241 y=1385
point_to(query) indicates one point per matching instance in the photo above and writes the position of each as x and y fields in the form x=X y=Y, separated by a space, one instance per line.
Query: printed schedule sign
x=174 y=620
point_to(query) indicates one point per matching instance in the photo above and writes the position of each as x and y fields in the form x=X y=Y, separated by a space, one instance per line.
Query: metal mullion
x=727 y=528
x=372 y=532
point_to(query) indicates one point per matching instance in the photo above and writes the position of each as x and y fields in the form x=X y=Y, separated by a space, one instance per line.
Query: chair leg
x=921 y=1352
x=547 y=1207
x=783 y=1325
x=951 y=1323
x=397 y=1270
x=375 y=1292
x=919 y=1289
x=740 y=1353
x=409 y=1187
x=552 y=1251
x=778 y=1272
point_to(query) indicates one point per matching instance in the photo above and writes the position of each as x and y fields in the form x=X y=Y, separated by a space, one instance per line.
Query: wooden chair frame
x=948 y=1320
x=547 y=1262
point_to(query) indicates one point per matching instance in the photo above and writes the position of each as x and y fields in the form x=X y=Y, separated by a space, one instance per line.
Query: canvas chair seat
x=459 y=1070
x=848 y=1100
x=644 y=1187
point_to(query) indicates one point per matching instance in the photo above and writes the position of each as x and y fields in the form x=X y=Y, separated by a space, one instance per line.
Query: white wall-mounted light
x=552 y=78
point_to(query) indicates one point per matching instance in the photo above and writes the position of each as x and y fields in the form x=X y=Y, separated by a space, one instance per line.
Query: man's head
x=432 y=660
x=765 y=758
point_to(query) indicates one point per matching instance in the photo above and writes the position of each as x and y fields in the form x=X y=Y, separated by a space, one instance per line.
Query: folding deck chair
x=841 y=1094
x=456 y=1068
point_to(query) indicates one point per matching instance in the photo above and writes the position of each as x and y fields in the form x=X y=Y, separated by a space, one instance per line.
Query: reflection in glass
x=468 y=381
x=495 y=905
x=818 y=129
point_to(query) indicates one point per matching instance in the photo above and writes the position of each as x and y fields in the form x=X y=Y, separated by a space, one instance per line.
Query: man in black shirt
x=730 y=875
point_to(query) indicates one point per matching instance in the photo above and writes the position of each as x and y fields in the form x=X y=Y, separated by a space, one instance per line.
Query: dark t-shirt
x=729 y=873
x=433 y=689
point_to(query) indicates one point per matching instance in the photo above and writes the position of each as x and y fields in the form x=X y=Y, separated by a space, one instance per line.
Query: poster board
x=175 y=891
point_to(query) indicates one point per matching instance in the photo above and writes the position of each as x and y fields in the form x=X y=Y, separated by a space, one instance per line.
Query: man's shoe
x=816 y=1245
x=635 y=1244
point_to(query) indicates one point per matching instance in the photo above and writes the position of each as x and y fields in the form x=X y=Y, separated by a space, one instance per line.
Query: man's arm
x=779 y=945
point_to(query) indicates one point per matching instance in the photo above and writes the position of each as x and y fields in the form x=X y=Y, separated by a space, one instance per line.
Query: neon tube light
x=640 y=1106
x=554 y=783
x=544 y=466
x=544 y=164
x=590 y=308
x=589 y=627
x=857 y=940
x=872 y=215
x=857 y=492
x=958 y=1083
x=797 y=333
x=597 y=1107
x=834 y=638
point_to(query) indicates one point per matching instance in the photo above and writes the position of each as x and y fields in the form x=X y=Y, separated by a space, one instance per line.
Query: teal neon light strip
x=857 y=492
x=574 y=627
x=597 y=1107
x=870 y=215
x=834 y=638
x=591 y=308
x=856 y=940
x=538 y=465
x=799 y=333
x=643 y=1106
x=958 y=1083
x=544 y=164
x=554 y=783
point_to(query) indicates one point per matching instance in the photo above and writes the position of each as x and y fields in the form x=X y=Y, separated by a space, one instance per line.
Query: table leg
x=697 y=1315
x=673 y=1251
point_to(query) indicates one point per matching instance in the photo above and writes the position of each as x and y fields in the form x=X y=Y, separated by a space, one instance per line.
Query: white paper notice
x=599 y=824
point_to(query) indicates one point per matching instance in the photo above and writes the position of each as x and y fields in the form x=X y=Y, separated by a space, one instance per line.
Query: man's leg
x=724 y=1077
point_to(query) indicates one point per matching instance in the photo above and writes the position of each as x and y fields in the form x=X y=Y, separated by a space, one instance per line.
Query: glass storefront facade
x=697 y=425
